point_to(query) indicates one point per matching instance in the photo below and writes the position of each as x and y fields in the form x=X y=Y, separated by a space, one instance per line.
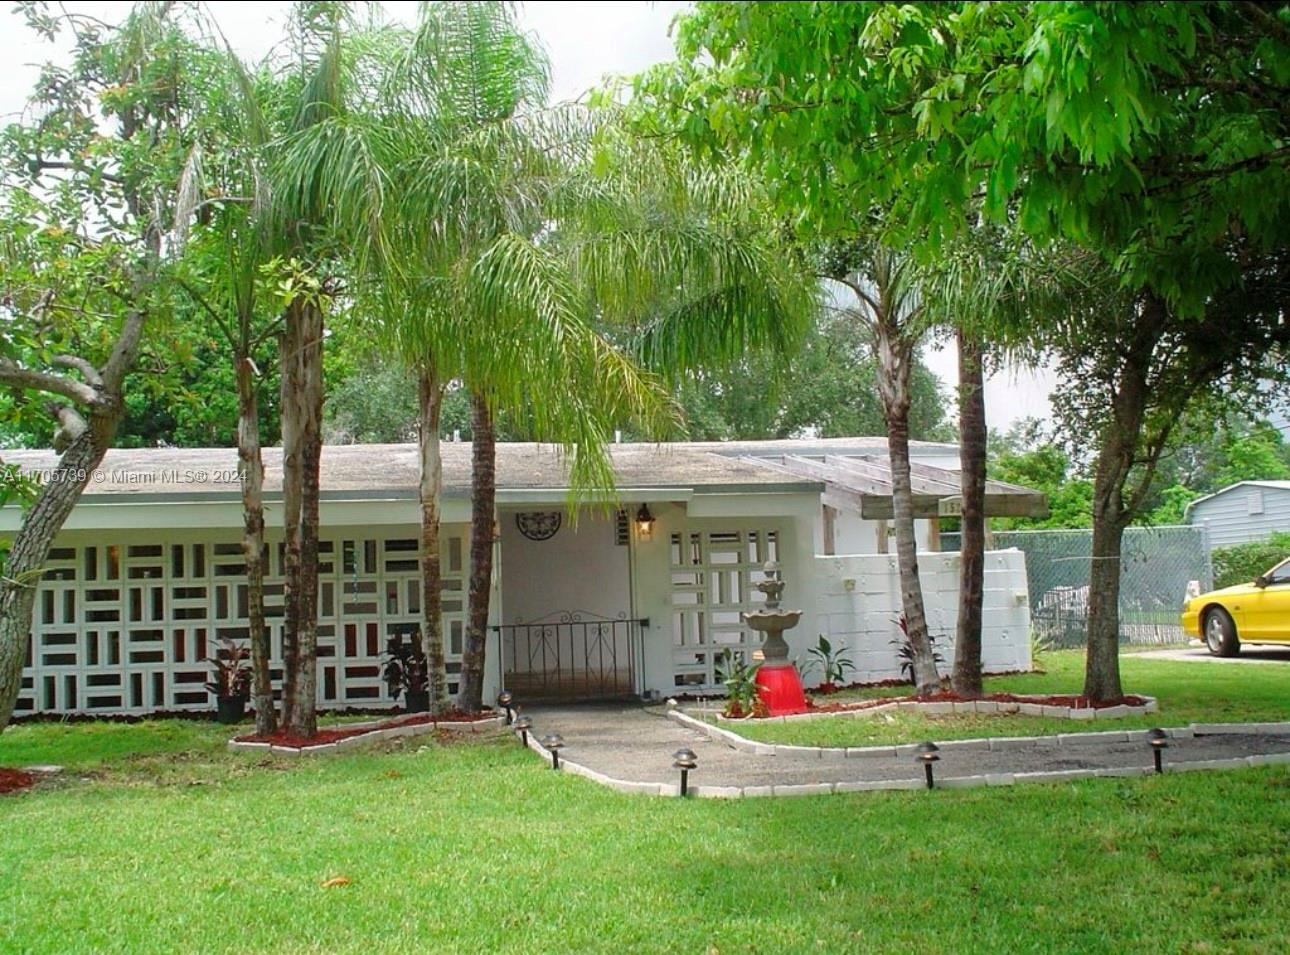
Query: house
x=638 y=596
x=1244 y=511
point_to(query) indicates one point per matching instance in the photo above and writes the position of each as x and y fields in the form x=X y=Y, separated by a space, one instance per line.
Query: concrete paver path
x=635 y=743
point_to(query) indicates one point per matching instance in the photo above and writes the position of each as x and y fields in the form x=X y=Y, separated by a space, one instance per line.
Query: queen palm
x=508 y=246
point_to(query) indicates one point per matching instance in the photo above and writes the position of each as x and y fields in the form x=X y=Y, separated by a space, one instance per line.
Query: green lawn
x=1187 y=692
x=477 y=846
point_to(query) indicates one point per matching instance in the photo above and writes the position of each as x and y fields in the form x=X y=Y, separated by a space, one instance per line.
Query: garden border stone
x=372 y=735
x=743 y=744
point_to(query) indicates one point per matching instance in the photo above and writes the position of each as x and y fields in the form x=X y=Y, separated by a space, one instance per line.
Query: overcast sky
x=586 y=41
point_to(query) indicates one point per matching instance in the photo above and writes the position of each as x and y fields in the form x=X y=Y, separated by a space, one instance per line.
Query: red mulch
x=1074 y=702
x=12 y=780
x=325 y=736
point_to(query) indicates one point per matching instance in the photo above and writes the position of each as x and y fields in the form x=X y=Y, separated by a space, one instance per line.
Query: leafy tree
x=828 y=387
x=1241 y=563
x=1258 y=455
x=1150 y=135
x=85 y=174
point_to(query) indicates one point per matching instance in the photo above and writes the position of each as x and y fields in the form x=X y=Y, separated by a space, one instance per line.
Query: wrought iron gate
x=571 y=655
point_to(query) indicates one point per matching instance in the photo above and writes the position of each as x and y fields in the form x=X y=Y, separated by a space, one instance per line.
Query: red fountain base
x=780 y=688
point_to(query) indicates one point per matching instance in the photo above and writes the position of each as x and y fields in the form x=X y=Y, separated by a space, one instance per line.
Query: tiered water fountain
x=778 y=684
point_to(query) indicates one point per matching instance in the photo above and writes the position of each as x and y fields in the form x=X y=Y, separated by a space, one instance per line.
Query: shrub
x=1241 y=563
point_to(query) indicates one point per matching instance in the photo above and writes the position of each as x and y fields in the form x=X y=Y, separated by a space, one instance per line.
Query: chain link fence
x=1157 y=563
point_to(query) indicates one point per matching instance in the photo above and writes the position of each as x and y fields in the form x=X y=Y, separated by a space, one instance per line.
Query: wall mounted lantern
x=645 y=523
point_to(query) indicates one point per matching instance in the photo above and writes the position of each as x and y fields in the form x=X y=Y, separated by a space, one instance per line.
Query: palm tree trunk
x=483 y=497
x=429 y=407
x=290 y=410
x=895 y=359
x=972 y=448
x=251 y=475
x=305 y=723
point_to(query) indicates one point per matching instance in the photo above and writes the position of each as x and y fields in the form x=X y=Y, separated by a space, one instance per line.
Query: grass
x=1186 y=691
x=171 y=844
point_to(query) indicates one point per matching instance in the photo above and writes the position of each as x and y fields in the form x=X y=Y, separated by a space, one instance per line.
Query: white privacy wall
x=859 y=608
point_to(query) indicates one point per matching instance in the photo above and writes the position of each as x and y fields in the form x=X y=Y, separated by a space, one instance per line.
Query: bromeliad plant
x=833 y=664
x=740 y=680
x=406 y=671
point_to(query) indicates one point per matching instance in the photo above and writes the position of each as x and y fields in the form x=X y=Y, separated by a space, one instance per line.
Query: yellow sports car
x=1257 y=612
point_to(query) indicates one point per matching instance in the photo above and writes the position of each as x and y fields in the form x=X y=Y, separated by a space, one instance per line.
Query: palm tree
x=223 y=193
x=890 y=307
x=494 y=237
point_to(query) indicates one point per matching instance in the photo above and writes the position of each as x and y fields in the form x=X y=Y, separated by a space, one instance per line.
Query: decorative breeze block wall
x=126 y=626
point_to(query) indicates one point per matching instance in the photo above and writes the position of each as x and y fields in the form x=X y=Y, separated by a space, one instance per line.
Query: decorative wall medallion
x=538 y=525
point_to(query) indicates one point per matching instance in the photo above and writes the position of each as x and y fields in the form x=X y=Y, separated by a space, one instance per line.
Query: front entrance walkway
x=634 y=744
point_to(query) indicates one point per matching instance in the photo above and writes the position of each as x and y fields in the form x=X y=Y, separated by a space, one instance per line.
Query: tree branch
x=84 y=366
x=13 y=374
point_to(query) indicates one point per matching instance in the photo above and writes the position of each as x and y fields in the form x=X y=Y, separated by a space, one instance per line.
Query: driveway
x=1250 y=653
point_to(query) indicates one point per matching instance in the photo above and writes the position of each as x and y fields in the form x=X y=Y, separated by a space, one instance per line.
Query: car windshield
x=1280 y=574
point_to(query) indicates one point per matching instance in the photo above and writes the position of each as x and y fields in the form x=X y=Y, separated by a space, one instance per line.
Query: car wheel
x=1220 y=633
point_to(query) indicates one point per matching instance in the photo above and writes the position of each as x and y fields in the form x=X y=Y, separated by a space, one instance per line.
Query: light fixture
x=685 y=760
x=504 y=700
x=927 y=755
x=522 y=726
x=644 y=523
x=553 y=742
x=1158 y=740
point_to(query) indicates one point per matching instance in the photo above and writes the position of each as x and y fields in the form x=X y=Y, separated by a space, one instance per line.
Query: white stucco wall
x=854 y=535
x=579 y=569
x=858 y=606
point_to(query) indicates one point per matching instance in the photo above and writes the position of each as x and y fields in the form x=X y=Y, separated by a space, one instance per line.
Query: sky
x=586 y=41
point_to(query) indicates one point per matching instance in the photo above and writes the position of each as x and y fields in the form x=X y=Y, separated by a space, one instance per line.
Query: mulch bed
x=1070 y=701
x=12 y=780
x=334 y=734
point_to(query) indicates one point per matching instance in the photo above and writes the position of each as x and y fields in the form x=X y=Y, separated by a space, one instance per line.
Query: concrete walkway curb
x=1018 y=707
x=743 y=744
x=951 y=782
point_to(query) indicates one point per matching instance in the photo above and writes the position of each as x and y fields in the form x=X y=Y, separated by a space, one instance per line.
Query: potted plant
x=740 y=681
x=406 y=672
x=232 y=683
x=833 y=664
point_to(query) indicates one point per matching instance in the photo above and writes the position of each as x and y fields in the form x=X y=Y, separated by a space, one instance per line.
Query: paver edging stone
x=372 y=735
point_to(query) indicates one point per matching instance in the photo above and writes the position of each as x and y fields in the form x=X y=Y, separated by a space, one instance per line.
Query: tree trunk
x=22 y=566
x=290 y=411
x=1118 y=450
x=251 y=475
x=483 y=499
x=430 y=404
x=305 y=723
x=87 y=442
x=972 y=448
x=895 y=360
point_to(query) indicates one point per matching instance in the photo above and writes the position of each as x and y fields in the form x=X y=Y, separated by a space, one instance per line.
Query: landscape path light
x=1158 y=740
x=927 y=755
x=553 y=742
x=522 y=726
x=504 y=700
x=685 y=760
